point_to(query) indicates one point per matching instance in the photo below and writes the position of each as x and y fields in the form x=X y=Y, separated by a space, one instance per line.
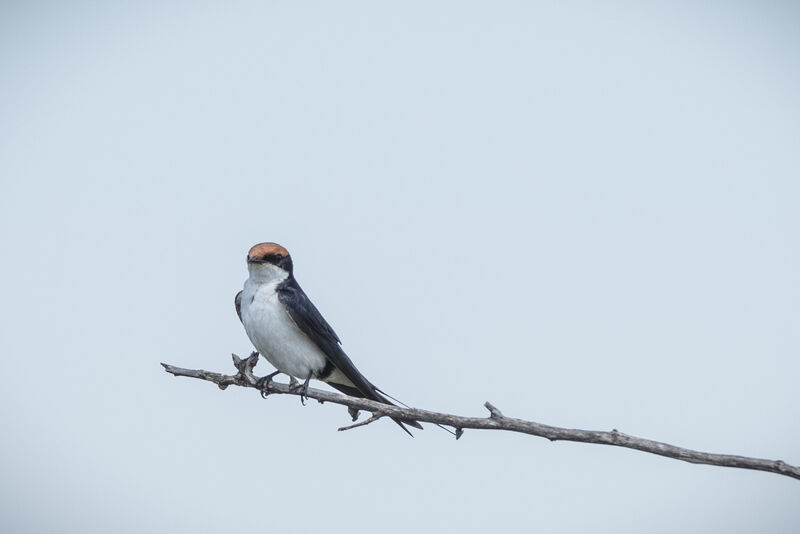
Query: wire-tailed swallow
x=287 y=329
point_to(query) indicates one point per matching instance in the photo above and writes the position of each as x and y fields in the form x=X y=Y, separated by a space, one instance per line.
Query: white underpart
x=272 y=331
x=338 y=377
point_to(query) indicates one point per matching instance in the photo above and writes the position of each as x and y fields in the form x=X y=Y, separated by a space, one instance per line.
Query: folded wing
x=311 y=323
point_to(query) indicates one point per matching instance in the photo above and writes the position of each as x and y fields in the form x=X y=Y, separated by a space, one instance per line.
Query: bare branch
x=495 y=421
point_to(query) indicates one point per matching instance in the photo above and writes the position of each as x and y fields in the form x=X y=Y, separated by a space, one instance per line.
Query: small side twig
x=365 y=422
x=495 y=421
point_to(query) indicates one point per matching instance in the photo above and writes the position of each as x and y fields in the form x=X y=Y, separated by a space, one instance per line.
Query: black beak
x=255 y=260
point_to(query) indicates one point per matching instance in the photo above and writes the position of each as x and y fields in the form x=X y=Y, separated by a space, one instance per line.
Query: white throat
x=266 y=273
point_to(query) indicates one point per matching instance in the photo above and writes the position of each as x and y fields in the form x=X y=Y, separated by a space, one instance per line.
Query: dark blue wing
x=237 y=301
x=306 y=316
x=310 y=321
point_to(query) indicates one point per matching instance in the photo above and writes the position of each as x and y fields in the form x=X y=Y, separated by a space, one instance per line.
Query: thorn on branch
x=375 y=417
x=494 y=412
x=239 y=363
x=252 y=360
x=459 y=432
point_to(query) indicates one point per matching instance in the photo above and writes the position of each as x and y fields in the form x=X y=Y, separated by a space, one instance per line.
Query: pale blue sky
x=585 y=213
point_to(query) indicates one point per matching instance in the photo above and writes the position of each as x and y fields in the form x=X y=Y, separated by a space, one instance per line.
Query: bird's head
x=269 y=261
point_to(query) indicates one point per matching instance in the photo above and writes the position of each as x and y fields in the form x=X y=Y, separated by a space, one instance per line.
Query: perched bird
x=287 y=329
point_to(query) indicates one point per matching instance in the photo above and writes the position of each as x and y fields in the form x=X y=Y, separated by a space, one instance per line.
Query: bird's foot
x=302 y=388
x=264 y=382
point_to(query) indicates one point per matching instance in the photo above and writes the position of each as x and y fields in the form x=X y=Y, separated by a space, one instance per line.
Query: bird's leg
x=264 y=382
x=303 y=389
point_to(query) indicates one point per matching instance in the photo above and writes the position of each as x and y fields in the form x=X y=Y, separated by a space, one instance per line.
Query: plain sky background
x=586 y=213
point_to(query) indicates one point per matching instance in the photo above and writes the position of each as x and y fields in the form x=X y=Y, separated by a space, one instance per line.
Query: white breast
x=275 y=335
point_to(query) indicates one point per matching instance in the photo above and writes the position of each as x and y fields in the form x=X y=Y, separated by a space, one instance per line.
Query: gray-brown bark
x=495 y=421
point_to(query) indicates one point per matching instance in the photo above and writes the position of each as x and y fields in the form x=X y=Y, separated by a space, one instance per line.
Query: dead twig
x=495 y=421
x=375 y=417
